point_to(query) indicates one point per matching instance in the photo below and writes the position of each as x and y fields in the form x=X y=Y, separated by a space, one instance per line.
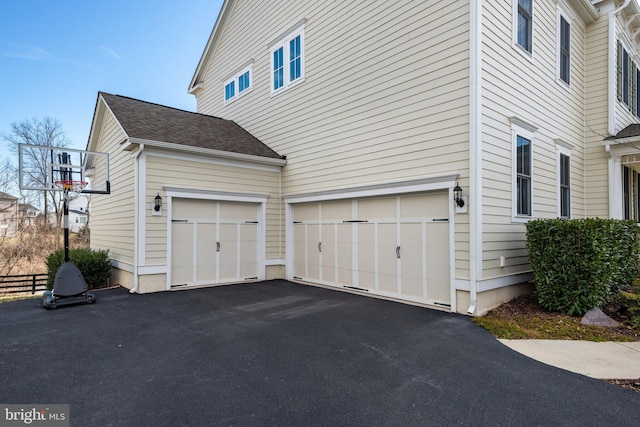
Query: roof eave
x=213 y=38
x=210 y=152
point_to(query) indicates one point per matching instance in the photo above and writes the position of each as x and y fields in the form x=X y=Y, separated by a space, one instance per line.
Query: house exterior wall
x=556 y=112
x=385 y=96
x=113 y=215
x=210 y=174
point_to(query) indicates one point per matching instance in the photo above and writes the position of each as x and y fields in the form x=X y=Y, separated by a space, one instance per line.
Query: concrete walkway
x=602 y=360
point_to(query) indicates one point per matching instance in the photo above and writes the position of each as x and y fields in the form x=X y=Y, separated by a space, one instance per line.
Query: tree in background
x=46 y=132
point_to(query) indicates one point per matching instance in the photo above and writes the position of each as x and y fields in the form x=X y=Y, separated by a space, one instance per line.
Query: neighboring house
x=78 y=212
x=382 y=109
x=27 y=214
x=8 y=215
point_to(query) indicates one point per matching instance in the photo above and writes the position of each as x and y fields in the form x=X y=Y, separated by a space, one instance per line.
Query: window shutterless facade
x=522 y=170
x=239 y=84
x=287 y=61
x=564 y=49
x=524 y=24
x=564 y=183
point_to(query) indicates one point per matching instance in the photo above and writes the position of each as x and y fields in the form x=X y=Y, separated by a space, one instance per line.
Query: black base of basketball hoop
x=69 y=288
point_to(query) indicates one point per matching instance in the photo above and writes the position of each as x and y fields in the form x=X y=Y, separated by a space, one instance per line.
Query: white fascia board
x=438 y=182
x=585 y=9
x=209 y=152
x=211 y=43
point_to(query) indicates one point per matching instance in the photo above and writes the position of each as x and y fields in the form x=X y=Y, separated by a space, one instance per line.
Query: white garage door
x=392 y=246
x=213 y=242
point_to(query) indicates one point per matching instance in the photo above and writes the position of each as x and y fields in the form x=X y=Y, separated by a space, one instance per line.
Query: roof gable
x=153 y=122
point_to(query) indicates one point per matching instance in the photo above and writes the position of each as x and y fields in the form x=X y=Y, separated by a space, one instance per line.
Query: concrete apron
x=602 y=360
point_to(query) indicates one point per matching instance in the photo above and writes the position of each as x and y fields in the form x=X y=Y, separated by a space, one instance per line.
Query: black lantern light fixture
x=457 y=196
x=158 y=203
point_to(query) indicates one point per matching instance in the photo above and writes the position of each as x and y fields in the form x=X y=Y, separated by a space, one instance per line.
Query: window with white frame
x=523 y=24
x=564 y=47
x=522 y=169
x=623 y=66
x=287 y=61
x=564 y=182
x=239 y=84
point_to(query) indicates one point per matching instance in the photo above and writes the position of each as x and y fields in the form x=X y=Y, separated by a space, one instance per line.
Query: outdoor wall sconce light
x=157 y=204
x=457 y=196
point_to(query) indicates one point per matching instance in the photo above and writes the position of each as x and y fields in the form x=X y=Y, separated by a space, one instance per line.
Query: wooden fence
x=23 y=283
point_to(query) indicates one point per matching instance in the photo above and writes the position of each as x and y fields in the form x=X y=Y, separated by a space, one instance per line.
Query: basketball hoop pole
x=65 y=213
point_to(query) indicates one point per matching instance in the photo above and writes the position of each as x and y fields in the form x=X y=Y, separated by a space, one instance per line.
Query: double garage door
x=213 y=242
x=396 y=246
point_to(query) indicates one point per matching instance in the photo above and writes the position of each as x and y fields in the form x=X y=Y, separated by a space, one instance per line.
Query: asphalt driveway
x=278 y=353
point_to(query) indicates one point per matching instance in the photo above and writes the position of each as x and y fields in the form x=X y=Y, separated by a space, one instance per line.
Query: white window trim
x=514 y=40
x=562 y=149
x=525 y=130
x=283 y=42
x=234 y=78
x=563 y=13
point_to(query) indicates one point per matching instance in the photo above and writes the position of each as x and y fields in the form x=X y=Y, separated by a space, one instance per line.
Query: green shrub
x=576 y=263
x=630 y=304
x=93 y=264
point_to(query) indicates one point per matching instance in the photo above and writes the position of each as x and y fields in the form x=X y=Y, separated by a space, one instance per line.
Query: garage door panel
x=329 y=253
x=345 y=254
x=248 y=250
x=193 y=208
x=412 y=260
x=438 y=263
x=337 y=210
x=228 y=252
x=306 y=212
x=380 y=208
x=182 y=253
x=366 y=255
x=299 y=254
x=206 y=268
x=387 y=258
x=313 y=252
x=434 y=205
x=237 y=211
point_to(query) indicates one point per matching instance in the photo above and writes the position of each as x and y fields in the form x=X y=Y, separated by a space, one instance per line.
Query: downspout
x=136 y=195
x=475 y=153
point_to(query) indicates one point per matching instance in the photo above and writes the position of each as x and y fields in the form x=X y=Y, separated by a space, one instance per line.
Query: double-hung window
x=623 y=68
x=240 y=83
x=564 y=48
x=523 y=24
x=287 y=61
x=522 y=169
x=564 y=181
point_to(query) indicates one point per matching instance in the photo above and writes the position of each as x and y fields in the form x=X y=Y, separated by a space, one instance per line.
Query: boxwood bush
x=578 y=263
x=93 y=264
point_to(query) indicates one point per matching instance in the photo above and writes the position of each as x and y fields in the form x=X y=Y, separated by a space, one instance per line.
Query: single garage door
x=213 y=242
x=394 y=246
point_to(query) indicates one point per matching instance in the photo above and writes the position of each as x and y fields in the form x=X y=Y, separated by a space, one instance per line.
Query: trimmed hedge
x=578 y=263
x=93 y=264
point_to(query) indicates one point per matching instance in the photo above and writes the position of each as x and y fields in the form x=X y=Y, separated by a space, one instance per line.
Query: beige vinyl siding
x=385 y=96
x=516 y=86
x=596 y=120
x=112 y=216
x=203 y=174
x=400 y=110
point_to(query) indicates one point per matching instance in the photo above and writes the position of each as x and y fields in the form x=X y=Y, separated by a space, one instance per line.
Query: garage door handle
x=217 y=246
x=398 y=252
x=320 y=247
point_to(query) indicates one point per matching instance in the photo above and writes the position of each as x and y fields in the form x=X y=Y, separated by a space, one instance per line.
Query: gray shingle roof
x=156 y=122
x=628 y=132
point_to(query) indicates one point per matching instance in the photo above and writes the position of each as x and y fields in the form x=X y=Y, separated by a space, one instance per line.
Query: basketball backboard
x=40 y=167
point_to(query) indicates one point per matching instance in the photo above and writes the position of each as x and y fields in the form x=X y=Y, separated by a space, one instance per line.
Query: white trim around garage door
x=224 y=196
x=434 y=183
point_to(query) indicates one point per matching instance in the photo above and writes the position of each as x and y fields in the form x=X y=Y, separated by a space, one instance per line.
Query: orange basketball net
x=71 y=185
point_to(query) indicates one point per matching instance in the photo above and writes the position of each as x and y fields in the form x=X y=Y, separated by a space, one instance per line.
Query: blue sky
x=55 y=55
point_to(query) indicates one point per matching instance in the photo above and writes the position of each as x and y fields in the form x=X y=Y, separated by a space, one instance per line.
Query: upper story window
x=239 y=84
x=287 y=61
x=523 y=24
x=564 y=48
x=623 y=66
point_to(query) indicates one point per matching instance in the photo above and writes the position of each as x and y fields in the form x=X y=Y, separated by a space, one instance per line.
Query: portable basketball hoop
x=69 y=287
